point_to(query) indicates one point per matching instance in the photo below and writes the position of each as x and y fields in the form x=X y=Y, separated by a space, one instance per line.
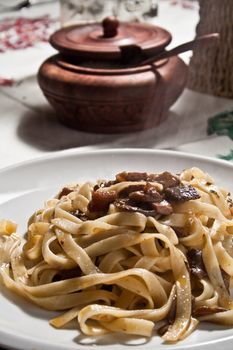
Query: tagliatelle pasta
x=139 y=253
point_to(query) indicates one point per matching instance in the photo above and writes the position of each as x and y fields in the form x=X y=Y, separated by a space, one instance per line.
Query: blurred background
x=200 y=121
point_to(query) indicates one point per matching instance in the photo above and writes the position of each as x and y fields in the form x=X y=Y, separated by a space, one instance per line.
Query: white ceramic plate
x=24 y=188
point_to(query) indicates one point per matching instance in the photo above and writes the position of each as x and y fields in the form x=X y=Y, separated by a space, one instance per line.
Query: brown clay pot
x=109 y=95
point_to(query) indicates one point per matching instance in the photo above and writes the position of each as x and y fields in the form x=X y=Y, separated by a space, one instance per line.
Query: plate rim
x=81 y=152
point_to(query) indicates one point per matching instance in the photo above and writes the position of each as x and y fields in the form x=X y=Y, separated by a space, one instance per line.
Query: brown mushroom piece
x=166 y=179
x=101 y=200
x=129 y=189
x=64 y=192
x=149 y=195
x=181 y=193
x=181 y=232
x=196 y=263
x=163 y=207
x=127 y=205
x=131 y=176
x=104 y=184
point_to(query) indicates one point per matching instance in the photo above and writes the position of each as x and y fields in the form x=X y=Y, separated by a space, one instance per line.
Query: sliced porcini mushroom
x=163 y=207
x=181 y=193
x=196 y=263
x=100 y=200
x=126 y=205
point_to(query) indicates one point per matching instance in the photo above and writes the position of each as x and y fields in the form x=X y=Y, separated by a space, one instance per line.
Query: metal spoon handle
x=181 y=48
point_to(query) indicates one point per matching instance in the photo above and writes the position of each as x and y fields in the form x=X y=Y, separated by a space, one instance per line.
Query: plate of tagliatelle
x=116 y=249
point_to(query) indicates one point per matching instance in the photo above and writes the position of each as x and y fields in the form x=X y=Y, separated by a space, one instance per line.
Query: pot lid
x=110 y=40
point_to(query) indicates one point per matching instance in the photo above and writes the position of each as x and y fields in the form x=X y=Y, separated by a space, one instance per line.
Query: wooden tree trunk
x=211 y=67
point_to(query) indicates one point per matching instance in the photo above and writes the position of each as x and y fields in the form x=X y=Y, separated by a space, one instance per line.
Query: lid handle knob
x=110 y=27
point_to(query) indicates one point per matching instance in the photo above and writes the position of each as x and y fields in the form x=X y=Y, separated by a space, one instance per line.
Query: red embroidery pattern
x=6 y=82
x=20 y=33
x=187 y=4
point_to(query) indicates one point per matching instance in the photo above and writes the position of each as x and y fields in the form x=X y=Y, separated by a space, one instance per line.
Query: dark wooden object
x=95 y=85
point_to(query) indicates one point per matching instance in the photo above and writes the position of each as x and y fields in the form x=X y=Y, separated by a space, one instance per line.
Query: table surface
x=29 y=127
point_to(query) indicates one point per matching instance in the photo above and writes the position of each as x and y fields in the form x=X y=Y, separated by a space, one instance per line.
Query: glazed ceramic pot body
x=112 y=100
